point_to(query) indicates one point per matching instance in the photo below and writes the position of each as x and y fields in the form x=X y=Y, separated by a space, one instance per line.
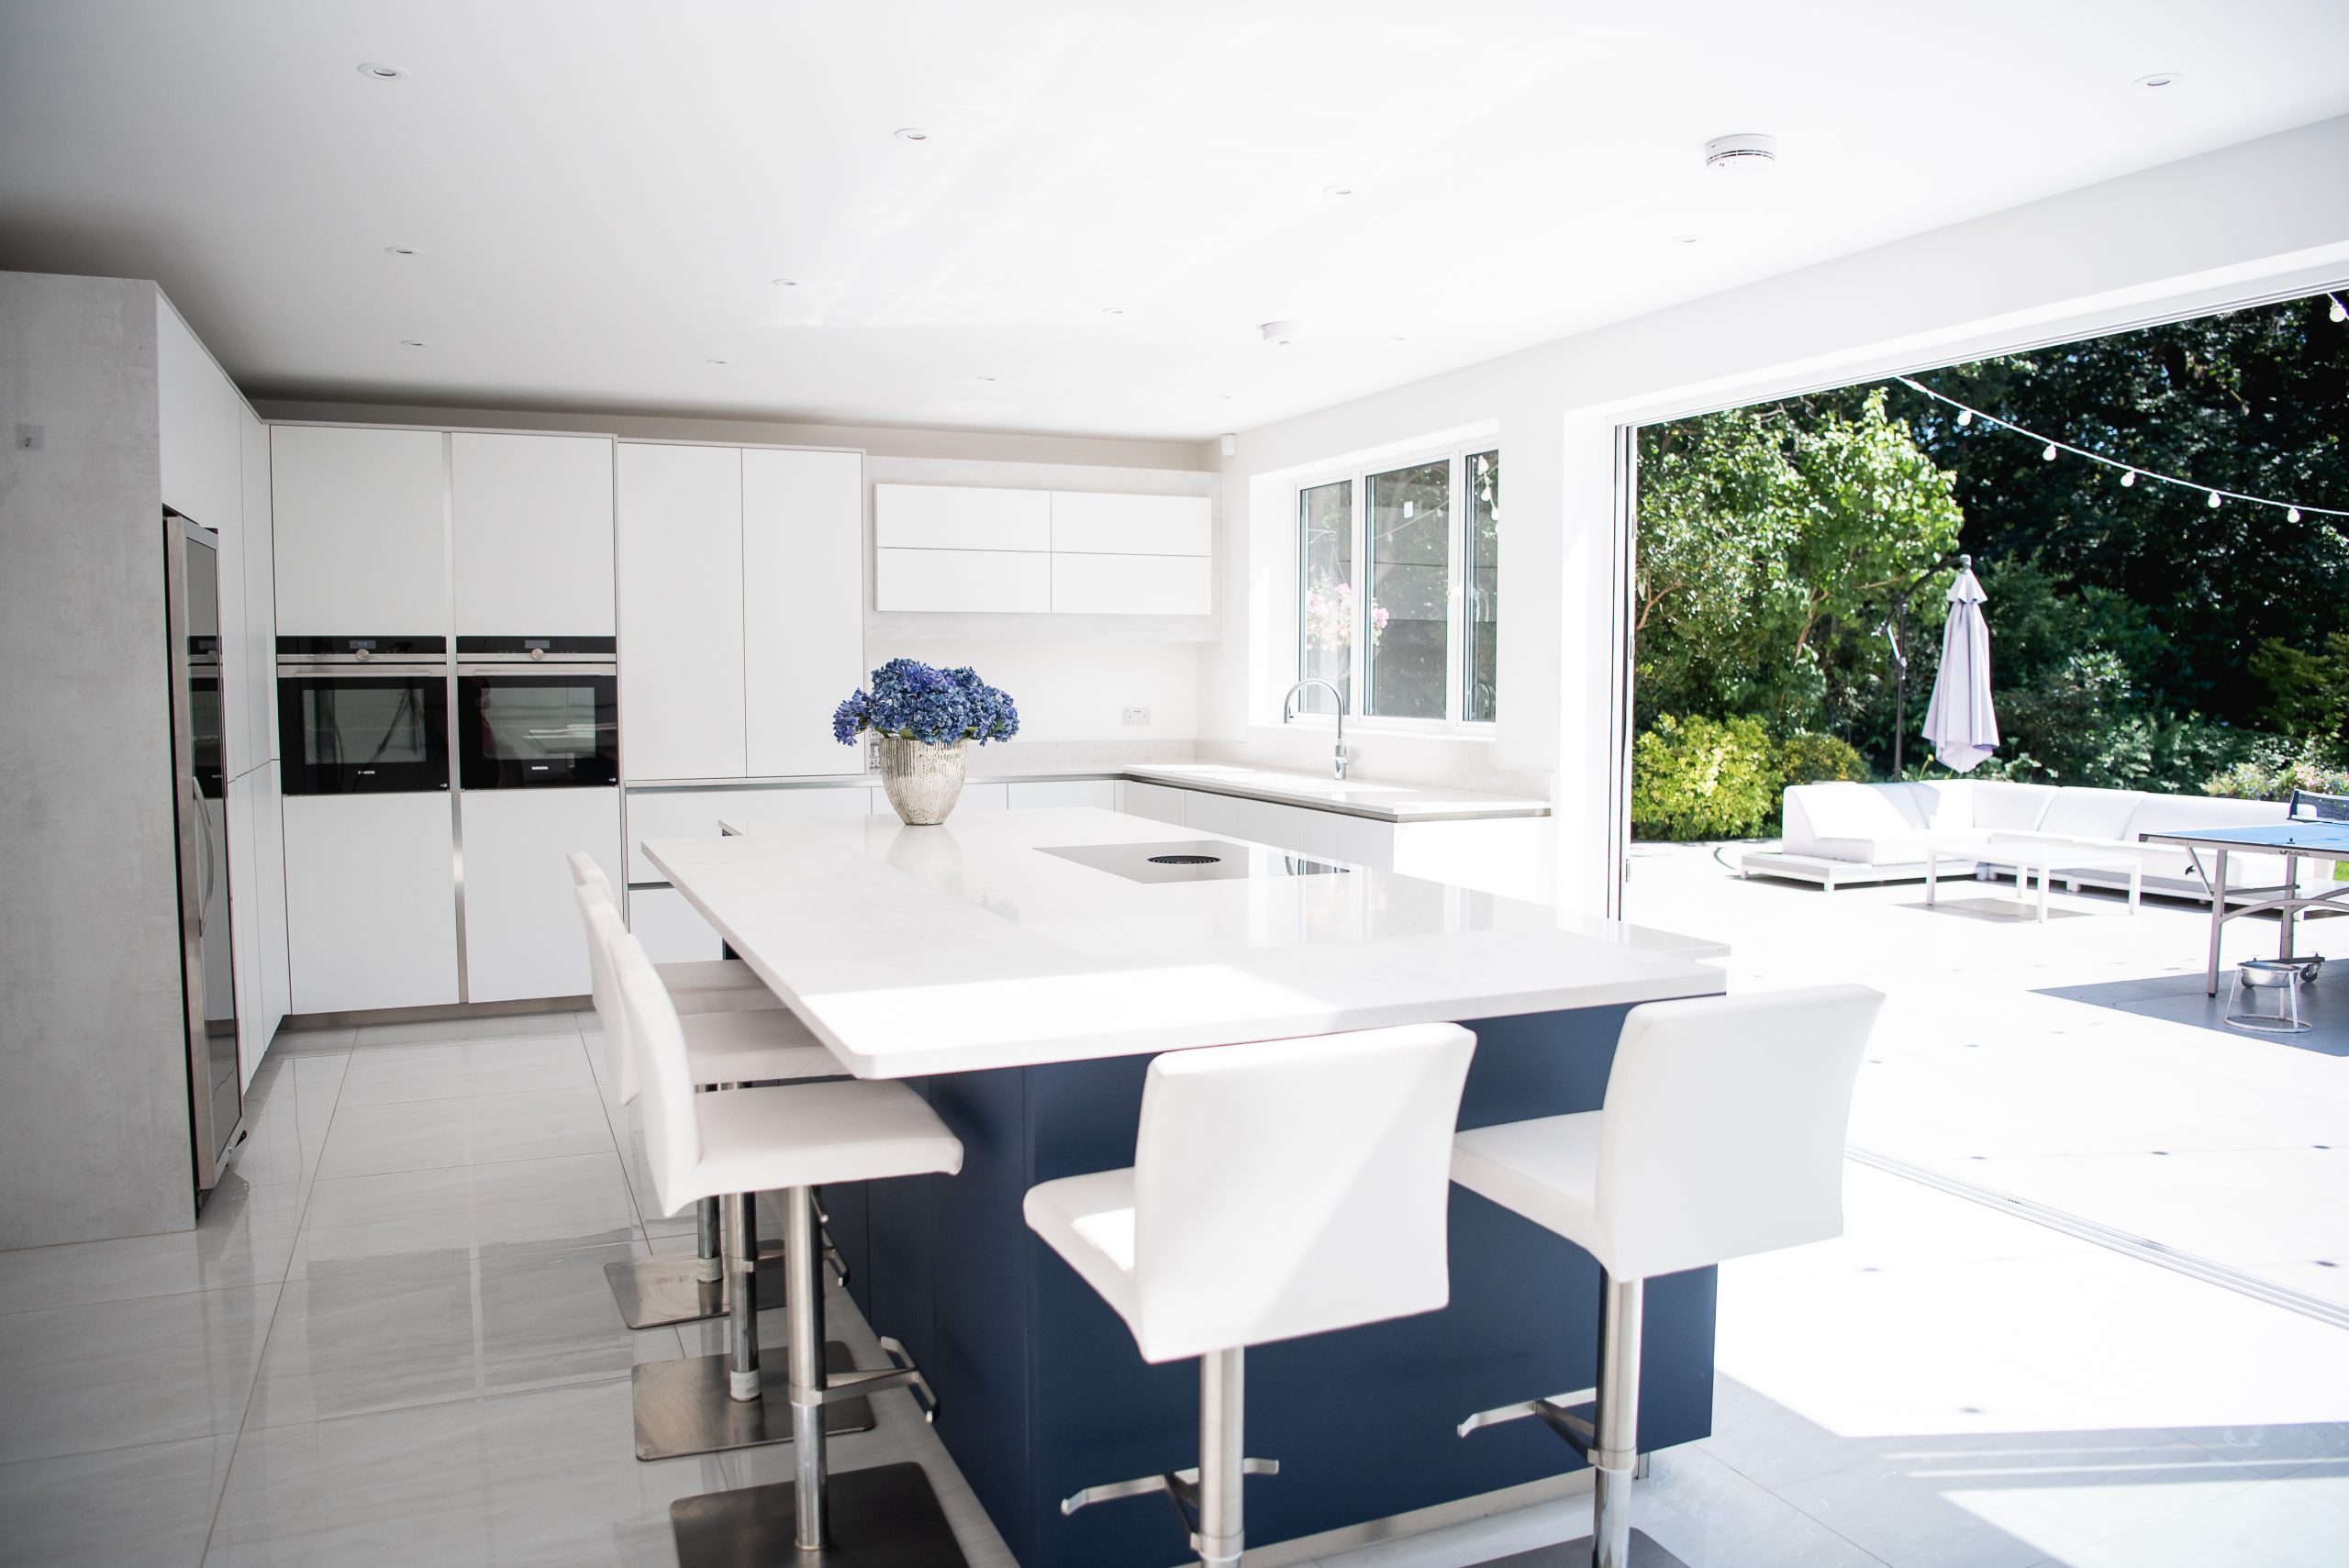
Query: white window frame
x=1455 y=454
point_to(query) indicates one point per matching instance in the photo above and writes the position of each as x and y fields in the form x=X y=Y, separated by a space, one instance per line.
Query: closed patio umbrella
x=1960 y=723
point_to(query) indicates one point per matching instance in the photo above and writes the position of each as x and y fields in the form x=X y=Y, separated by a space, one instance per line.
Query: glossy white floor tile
x=350 y=1363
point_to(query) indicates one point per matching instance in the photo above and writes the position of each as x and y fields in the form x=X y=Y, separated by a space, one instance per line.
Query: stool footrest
x=855 y=1383
x=1571 y=1416
x=1181 y=1485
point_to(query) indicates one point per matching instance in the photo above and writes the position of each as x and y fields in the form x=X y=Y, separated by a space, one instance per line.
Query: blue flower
x=918 y=702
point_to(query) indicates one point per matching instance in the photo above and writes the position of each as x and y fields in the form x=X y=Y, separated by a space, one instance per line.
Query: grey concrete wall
x=94 y=1115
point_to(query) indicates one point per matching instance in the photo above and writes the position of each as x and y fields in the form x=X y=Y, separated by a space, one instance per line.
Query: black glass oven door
x=547 y=728
x=348 y=734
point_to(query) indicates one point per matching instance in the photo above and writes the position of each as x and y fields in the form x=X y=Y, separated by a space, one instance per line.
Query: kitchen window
x=1398 y=589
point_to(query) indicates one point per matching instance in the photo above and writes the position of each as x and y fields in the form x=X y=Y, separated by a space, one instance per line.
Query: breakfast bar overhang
x=1024 y=990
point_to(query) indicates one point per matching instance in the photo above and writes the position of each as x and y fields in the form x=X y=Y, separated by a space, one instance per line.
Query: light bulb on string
x=1964 y=418
x=2292 y=514
x=2214 y=500
x=2339 y=312
x=2049 y=455
x=2128 y=479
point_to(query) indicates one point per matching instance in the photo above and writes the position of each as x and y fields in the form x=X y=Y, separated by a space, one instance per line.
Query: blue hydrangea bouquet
x=920 y=716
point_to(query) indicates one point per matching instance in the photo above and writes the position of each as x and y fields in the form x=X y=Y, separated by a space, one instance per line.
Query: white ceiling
x=601 y=191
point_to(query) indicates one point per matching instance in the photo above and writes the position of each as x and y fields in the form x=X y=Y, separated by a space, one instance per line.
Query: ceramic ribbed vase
x=923 y=780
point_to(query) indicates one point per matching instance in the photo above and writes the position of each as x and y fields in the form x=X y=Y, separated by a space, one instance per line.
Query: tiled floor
x=391 y=1342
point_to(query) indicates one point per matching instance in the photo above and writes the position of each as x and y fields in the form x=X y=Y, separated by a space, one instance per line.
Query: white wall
x=2265 y=219
x=1073 y=691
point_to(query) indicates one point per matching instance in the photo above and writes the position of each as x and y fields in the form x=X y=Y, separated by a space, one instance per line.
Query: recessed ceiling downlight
x=2159 y=79
x=413 y=343
x=378 y=71
x=912 y=133
x=787 y=282
x=399 y=250
x=1745 y=153
x=1280 y=334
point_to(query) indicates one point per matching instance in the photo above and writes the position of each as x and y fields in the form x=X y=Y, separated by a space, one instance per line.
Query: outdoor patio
x=2076 y=1066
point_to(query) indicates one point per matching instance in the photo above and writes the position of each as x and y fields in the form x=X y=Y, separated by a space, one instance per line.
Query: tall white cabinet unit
x=361 y=522
x=740 y=593
x=531 y=532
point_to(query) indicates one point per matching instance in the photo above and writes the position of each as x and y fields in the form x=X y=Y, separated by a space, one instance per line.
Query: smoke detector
x=1280 y=334
x=1743 y=154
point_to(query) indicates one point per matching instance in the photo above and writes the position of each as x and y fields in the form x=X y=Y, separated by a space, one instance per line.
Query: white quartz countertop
x=964 y=947
x=1355 y=797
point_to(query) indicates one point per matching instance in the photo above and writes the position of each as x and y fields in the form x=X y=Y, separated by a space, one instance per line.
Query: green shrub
x=1820 y=759
x=1703 y=778
x=2275 y=777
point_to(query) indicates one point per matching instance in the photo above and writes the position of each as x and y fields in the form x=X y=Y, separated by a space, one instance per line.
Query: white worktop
x=913 y=950
x=1355 y=797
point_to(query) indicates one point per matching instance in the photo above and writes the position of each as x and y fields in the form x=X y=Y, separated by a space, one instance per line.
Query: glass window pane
x=1483 y=553
x=1410 y=590
x=1324 y=614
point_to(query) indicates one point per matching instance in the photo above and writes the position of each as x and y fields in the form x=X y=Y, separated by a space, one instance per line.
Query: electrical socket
x=1137 y=715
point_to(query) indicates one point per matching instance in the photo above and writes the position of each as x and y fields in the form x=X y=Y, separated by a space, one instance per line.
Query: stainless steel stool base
x=683 y=1407
x=1645 y=1554
x=887 y=1516
x=655 y=1293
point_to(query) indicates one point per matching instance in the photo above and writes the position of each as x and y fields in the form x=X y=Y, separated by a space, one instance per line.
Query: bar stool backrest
x=585 y=872
x=602 y=918
x=1724 y=1124
x=671 y=1132
x=1292 y=1187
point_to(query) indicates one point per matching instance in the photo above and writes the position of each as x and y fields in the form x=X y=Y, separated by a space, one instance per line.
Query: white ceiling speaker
x=1281 y=334
x=1743 y=154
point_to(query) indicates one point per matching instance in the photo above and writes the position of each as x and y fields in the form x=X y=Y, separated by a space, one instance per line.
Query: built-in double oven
x=537 y=713
x=362 y=715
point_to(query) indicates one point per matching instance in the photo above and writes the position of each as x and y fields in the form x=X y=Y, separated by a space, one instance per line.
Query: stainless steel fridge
x=200 y=786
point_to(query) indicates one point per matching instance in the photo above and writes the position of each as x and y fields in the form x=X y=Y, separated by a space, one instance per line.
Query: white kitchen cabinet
x=1326 y=835
x=1211 y=813
x=360 y=520
x=982 y=797
x=803 y=608
x=523 y=937
x=269 y=846
x=679 y=555
x=1102 y=793
x=671 y=930
x=258 y=550
x=1156 y=801
x=1132 y=584
x=532 y=527
x=958 y=517
x=244 y=898
x=198 y=435
x=1001 y=581
x=696 y=814
x=234 y=652
x=370 y=901
x=1095 y=523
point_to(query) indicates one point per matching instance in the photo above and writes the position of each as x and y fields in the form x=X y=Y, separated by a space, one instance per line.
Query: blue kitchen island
x=1020 y=968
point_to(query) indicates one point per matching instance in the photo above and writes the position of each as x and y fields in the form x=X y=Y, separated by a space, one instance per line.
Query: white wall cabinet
x=532 y=531
x=997 y=581
x=199 y=435
x=960 y=517
x=1132 y=584
x=523 y=938
x=370 y=901
x=803 y=608
x=1101 y=523
x=362 y=531
x=679 y=552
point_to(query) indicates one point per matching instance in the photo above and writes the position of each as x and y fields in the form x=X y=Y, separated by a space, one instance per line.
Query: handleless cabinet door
x=523 y=936
x=803 y=608
x=532 y=531
x=199 y=408
x=679 y=553
x=260 y=595
x=269 y=847
x=362 y=531
x=370 y=901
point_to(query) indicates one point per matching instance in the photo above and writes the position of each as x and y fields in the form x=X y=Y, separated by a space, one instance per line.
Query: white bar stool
x=1722 y=1136
x=706 y=1404
x=695 y=985
x=1278 y=1189
x=792 y=1138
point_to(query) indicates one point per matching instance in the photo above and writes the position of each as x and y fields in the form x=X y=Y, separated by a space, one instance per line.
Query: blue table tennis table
x=2293 y=840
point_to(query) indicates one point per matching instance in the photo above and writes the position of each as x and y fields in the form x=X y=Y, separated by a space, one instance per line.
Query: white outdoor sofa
x=1838 y=834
